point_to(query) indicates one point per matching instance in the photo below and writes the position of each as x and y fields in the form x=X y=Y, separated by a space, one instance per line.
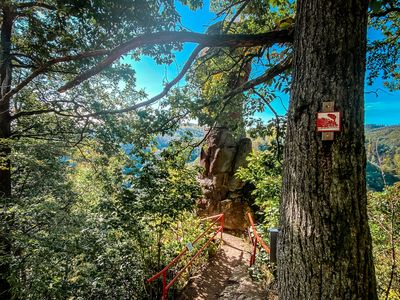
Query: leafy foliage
x=105 y=223
x=384 y=214
x=384 y=52
x=264 y=172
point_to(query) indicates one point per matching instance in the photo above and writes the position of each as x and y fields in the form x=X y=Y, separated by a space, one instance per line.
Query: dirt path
x=226 y=275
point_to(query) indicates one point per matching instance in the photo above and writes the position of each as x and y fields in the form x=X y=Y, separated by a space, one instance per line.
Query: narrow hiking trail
x=226 y=275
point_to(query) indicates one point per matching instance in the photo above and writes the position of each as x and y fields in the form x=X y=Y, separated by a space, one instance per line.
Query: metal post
x=273 y=237
x=253 y=257
x=222 y=225
x=164 y=283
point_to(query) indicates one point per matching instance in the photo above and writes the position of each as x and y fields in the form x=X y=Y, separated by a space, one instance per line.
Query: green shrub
x=91 y=229
x=384 y=216
x=264 y=173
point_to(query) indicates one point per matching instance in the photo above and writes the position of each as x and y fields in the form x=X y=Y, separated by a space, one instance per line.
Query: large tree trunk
x=5 y=133
x=325 y=243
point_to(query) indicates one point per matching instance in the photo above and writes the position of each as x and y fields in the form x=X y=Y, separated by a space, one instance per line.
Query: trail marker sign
x=328 y=121
x=189 y=245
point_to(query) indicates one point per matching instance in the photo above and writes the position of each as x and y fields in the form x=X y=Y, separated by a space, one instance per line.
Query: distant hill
x=383 y=149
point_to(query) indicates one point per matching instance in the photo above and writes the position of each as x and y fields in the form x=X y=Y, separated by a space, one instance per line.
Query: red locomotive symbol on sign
x=329 y=121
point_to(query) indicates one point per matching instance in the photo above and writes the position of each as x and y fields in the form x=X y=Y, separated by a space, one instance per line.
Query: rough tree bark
x=5 y=132
x=325 y=243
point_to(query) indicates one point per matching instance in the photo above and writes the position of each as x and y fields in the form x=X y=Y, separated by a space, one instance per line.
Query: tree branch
x=385 y=12
x=225 y=9
x=166 y=37
x=44 y=67
x=165 y=91
x=267 y=103
x=269 y=74
x=31 y=113
x=35 y=4
x=238 y=12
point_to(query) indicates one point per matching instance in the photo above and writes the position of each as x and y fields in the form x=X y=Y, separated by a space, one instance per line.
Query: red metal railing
x=217 y=218
x=255 y=239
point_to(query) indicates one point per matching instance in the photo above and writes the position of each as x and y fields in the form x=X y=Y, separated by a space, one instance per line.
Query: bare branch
x=278 y=129
x=82 y=133
x=225 y=9
x=166 y=37
x=164 y=92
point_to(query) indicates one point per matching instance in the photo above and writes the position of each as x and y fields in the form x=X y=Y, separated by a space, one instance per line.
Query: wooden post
x=328 y=107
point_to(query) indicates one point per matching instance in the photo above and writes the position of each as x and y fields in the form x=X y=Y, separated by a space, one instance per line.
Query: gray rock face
x=220 y=158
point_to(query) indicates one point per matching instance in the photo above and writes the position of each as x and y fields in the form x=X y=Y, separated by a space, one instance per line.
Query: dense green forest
x=102 y=185
x=106 y=221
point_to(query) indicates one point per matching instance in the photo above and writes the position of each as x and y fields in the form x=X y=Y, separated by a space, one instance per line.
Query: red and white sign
x=328 y=121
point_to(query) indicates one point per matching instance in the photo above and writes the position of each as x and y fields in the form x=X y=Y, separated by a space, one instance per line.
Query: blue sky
x=383 y=108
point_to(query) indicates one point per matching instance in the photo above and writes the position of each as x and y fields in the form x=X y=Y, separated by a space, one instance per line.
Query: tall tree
x=325 y=244
x=5 y=130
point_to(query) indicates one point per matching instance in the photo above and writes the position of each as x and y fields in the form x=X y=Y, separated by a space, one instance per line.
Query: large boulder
x=235 y=213
x=221 y=157
x=219 y=153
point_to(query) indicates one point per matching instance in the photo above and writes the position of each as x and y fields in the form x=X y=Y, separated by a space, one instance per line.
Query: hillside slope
x=383 y=152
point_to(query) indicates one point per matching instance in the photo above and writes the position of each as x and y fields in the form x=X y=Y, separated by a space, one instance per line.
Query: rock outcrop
x=221 y=157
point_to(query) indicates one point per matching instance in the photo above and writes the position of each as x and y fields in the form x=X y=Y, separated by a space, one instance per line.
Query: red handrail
x=255 y=240
x=164 y=271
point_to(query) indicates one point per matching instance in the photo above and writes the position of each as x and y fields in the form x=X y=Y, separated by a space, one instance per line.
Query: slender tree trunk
x=5 y=133
x=325 y=244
